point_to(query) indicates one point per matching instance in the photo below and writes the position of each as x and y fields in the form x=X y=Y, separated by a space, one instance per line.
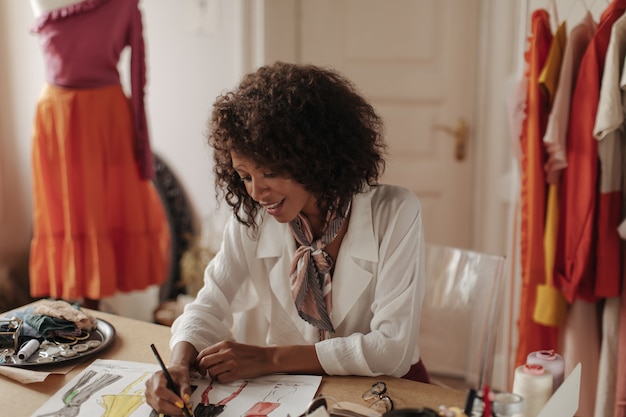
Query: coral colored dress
x=533 y=336
x=99 y=224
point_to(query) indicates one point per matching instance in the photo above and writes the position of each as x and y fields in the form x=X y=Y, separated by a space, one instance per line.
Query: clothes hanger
x=597 y=8
x=571 y=9
x=593 y=3
x=555 y=14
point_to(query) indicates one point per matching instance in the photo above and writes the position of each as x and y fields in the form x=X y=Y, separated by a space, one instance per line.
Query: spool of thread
x=27 y=349
x=534 y=383
x=551 y=361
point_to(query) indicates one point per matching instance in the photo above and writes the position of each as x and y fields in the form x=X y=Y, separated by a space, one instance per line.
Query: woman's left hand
x=230 y=361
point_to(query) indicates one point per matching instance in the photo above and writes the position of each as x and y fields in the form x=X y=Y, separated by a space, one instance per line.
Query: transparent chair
x=464 y=293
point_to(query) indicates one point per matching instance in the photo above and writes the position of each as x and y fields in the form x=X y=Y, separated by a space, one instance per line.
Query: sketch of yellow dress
x=126 y=402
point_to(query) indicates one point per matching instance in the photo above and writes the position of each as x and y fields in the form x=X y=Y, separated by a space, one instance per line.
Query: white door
x=415 y=60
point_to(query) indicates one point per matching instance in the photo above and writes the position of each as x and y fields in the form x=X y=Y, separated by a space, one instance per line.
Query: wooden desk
x=132 y=343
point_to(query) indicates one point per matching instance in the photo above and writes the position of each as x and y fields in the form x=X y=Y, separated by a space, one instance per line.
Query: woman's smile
x=280 y=196
x=274 y=208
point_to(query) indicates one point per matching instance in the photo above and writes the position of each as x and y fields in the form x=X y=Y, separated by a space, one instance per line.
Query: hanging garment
x=550 y=307
x=620 y=383
x=575 y=263
x=576 y=260
x=556 y=131
x=549 y=75
x=607 y=372
x=532 y=336
x=555 y=141
x=99 y=224
x=608 y=130
x=580 y=343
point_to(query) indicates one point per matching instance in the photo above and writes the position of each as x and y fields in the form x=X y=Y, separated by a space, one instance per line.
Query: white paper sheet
x=564 y=402
x=116 y=388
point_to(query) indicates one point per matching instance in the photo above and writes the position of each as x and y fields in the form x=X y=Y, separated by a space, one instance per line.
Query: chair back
x=460 y=312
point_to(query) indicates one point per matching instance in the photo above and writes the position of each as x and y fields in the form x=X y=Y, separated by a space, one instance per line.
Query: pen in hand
x=170 y=382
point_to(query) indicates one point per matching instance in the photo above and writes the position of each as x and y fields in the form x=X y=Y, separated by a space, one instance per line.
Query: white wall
x=20 y=80
x=193 y=55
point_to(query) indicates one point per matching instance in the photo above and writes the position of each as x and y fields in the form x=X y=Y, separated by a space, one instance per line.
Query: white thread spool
x=534 y=383
x=27 y=349
x=553 y=362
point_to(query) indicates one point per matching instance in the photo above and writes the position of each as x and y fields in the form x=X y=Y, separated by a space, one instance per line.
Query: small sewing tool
x=27 y=349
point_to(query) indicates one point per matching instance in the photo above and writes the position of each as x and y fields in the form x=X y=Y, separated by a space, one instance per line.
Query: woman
x=327 y=263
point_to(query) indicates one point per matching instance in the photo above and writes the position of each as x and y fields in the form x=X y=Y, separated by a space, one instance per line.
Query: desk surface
x=132 y=343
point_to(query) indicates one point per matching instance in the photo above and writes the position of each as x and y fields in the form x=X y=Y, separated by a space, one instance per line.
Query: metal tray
x=104 y=333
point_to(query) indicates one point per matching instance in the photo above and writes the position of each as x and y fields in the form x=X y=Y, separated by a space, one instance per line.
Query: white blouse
x=377 y=289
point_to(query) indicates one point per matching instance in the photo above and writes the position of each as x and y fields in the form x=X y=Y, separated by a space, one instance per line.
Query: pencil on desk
x=170 y=381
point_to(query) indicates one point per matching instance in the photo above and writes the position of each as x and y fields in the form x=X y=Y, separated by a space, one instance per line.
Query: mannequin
x=44 y=6
x=99 y=224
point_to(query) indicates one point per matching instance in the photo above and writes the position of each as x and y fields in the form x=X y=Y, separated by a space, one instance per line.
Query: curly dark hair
x=304 y=122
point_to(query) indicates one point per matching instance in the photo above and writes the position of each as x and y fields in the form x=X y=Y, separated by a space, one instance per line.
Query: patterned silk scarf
x=311 y=281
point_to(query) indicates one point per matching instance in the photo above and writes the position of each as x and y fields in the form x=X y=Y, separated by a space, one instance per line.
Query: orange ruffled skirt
x=98 y=228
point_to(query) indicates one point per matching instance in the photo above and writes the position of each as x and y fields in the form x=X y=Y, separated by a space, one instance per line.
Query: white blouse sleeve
x=209 y=318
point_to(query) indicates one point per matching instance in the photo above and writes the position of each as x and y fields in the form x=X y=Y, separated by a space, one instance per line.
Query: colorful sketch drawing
x=81 y=392
x=206 y=409
x=261 y=409
x=126 y=402
x=280 y=391
x=113 y=388
x=273 y=399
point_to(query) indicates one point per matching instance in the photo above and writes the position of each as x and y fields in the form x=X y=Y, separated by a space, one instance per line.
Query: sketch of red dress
x=206 y=409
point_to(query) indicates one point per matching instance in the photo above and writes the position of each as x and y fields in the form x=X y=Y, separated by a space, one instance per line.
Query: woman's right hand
x=164 y=400
x=158 y=394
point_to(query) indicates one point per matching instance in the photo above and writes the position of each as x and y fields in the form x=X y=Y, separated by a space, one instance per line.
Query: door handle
x=460 y=133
